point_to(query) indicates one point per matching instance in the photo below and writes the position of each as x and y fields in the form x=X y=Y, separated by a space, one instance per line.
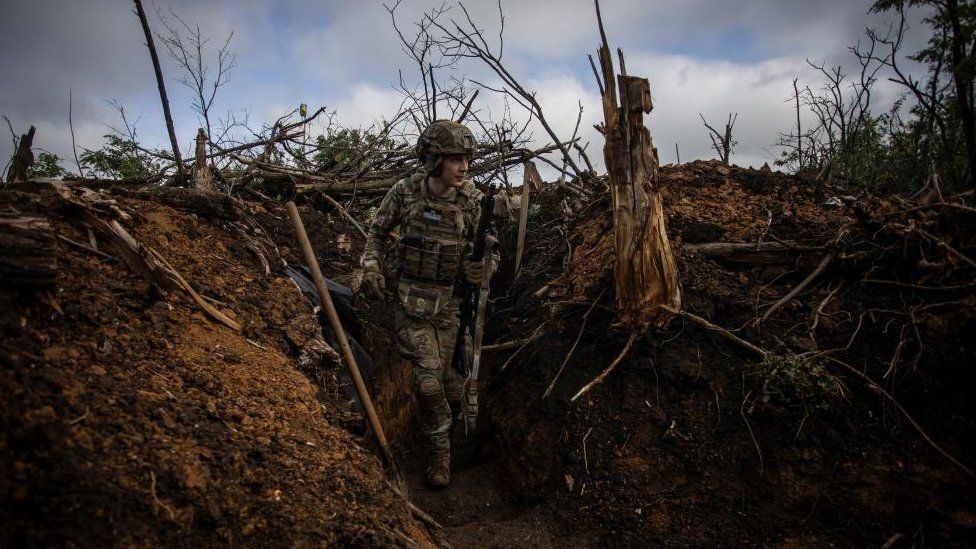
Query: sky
x=713 y=57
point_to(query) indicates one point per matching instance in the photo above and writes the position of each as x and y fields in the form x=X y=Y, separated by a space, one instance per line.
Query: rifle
x=472 y=309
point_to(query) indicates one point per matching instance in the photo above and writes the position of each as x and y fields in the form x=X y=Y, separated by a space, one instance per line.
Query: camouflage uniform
x=429 y=256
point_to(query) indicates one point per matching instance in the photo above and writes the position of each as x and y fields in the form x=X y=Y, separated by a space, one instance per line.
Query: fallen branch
x=824 y=263
x=742 y=413
x=156 y=501
x=608 y=369
x=819 y=310
x=727 y=334
x=345 y=214
x=575 y=343
x=417 y=512
x=917 y=286
x=85 y=247
x=132 y=254
x=945 y=245
x=245 y=146
x=898 y=406
x=28 y=250
x=532 y=338
x=748 y=252
x=210 y=309
x=508 y=345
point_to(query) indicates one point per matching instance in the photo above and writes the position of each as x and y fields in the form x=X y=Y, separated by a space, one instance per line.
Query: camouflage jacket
x=445 y=223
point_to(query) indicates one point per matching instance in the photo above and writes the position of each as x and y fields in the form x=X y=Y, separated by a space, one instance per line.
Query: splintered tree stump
x=645 y=274
x=23 y=158
x=202 y=177
x=28 y=251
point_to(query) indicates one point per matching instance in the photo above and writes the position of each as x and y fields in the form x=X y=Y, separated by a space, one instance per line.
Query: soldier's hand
x=474 y=271
x=373 y=282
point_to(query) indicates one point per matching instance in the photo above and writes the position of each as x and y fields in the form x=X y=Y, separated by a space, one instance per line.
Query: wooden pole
x=162 y=88
x=799 y=134
x=71 y=127
x=348 y=358
x=529 y=178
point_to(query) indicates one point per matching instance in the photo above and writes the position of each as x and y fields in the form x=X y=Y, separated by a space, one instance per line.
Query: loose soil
x=133 y=418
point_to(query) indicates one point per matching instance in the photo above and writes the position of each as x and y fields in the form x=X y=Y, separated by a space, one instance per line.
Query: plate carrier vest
x=432 y=244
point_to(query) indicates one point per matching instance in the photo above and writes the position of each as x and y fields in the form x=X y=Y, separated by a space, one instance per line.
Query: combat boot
x=439 y=470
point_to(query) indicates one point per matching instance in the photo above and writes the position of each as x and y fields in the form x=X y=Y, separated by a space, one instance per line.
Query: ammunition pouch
x=428 y=259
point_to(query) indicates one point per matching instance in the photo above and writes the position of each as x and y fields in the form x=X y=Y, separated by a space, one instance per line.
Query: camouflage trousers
x=429 y=345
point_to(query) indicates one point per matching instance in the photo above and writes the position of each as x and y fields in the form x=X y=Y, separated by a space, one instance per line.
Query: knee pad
x=429 y=390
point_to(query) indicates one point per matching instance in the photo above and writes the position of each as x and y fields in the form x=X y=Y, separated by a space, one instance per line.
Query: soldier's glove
x=474 y=271
x=373 y=284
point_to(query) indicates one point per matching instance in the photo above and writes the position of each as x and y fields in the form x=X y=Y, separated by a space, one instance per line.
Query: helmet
x=441 y=138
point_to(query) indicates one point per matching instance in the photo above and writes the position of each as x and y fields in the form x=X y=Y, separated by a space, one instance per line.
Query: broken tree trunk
x=750 y=253
x=28 y=251
x=216 y=205
x=202 y=178
x=23 y=158
x=162 y=88
x=645 y=274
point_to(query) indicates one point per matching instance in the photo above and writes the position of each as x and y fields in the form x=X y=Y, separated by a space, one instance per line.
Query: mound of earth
x=131 y=416
x=694 y=440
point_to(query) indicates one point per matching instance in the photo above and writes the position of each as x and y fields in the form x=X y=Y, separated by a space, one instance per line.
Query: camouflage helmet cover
x=441 y=138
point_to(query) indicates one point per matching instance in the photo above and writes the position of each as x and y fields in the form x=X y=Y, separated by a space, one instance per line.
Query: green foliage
x=47 y=165
x=791 y=380
x=348 y=146
x=120 y=158
x=863 y=160
x=935 y=135
x=889 y=153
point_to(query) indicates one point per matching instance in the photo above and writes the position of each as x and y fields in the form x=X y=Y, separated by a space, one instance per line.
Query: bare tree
x=129 y=133
x=421 y=47
x=499 y=133
x=722 y=142
x=464 y=39
x=188 y=47
x=930 y=96
x=842 y=105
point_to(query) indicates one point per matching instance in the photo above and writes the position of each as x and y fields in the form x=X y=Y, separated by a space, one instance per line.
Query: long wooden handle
x=348 y=358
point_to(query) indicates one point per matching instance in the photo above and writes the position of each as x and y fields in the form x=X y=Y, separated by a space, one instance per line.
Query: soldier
x=437 y=212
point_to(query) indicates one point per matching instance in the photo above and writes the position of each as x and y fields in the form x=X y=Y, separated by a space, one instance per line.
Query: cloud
x=702 y=56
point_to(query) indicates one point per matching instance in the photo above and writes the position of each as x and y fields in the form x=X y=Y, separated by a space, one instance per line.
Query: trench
x=479 y=507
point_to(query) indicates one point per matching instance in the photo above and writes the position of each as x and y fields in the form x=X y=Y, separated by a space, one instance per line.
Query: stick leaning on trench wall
x=346 y=350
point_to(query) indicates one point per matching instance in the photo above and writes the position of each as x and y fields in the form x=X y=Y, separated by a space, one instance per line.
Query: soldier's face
x=455 y=169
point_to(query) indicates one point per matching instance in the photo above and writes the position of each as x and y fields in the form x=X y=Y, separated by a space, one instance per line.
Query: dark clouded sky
x=708 y=56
